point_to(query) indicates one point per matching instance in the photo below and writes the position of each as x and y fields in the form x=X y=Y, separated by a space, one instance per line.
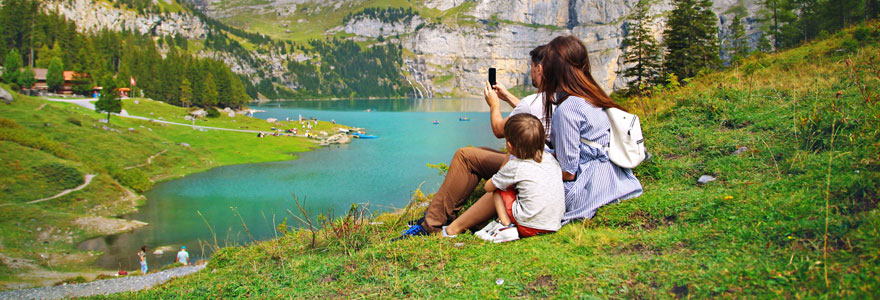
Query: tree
x=55 y=74
x=736 y=45
x=12 y=66
x=26 y=79
x=109 y=101
x=209 y=92
x=641 y=51
x=691 y=38
x=776 y=15
x=185 y=94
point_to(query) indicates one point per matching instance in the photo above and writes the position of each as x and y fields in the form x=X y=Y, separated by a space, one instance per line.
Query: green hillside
x=790 y=137
x=48 y=147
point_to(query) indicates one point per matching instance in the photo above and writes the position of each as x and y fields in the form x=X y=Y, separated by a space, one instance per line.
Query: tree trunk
x=108 y=118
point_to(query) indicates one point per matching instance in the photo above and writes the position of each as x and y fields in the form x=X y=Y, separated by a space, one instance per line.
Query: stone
x=185 y=145
x=6 y=96
x=740 y=150
x=705 y=179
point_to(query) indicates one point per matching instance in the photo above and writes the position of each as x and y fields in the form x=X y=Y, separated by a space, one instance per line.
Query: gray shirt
x=540 y=199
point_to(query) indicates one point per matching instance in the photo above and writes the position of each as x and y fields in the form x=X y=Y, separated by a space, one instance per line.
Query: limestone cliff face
x=93 y=16
x=467 y=52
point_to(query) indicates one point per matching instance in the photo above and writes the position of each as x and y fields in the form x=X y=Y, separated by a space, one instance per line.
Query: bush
x=66 y=176
x=133 y=178
x=74 y=121
x=850 y=45
x=14 y=87
x=212 y=113
x=7 y=123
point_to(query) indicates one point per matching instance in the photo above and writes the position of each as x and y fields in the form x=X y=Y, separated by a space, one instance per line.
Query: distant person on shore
x=526 y=194
x=182 y=256
x=469 y=164
x=142 y=256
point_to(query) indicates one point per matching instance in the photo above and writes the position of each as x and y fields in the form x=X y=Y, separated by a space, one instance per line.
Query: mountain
x=450 y=44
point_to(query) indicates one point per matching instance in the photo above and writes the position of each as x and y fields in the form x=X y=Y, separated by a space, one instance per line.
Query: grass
x=793 y=215
x=46 y=147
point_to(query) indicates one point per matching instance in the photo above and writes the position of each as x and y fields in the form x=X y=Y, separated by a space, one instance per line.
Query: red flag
x=132 y=81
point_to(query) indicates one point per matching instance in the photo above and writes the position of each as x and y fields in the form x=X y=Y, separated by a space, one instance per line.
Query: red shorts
x=509 y=197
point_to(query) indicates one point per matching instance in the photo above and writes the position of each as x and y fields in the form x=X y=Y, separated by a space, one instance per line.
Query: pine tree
x=209 y=92
x=185 y=94
x=736 y=44
x=26 y=79
x=691 y=38
x=777 y=15
x=55 y=74
x=109 y=101
x=641 y=51
x=44 y=57
x=11 y=67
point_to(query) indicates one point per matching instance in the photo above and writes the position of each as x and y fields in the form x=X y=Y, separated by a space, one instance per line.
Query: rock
x=705 y=179
x=137 y=102
x=131 y=129
x=185 y=145
x=6 y=96
x=271 y=120
x=740 y=150
x=231 y=115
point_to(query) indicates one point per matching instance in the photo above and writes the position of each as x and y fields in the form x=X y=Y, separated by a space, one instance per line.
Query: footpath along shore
x=102 y=287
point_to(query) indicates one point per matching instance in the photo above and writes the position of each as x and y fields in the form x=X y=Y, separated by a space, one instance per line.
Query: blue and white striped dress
x=598 y=181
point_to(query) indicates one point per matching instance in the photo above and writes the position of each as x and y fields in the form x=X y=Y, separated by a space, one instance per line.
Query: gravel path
x=101 y=287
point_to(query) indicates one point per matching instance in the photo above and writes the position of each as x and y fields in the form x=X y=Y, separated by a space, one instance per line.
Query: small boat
x=464 y=119
x=436 y=122
x=361 y=135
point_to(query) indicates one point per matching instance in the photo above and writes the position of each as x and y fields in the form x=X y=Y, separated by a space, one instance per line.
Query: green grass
x=46 y=147
x=759 y=231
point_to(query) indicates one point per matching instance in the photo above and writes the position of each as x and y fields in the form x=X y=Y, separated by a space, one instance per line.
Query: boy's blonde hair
x=526 y=134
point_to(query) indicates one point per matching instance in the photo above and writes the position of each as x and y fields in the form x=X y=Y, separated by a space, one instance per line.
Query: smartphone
x=492 y=76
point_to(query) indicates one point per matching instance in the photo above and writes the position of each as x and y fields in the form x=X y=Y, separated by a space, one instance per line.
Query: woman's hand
x=566 y=176
x=490 y=95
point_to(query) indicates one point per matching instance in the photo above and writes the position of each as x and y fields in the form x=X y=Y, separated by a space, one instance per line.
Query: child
x=528 y=192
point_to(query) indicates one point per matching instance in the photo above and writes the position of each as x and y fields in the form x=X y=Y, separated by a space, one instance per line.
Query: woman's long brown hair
x=566 y=69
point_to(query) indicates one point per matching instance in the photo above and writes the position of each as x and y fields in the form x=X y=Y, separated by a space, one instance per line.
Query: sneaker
x=487 y=231
x=505 y=234
x=447 y=235
x=418 y=221
x=414 y=230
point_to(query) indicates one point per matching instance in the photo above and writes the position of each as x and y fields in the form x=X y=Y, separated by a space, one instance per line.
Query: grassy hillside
x=47 y=147
x=792 y=214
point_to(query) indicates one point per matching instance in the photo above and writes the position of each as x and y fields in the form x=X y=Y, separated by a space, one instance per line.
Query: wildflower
x=728 y=198
x=790 y=237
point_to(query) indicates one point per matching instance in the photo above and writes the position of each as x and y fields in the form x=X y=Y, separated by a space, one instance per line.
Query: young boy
x=528 y=192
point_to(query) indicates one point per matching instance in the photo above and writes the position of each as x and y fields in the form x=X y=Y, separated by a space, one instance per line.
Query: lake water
x=382 y=172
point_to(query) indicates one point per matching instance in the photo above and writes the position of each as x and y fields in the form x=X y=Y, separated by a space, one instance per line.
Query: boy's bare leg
x=500 y=209
x=482 y=210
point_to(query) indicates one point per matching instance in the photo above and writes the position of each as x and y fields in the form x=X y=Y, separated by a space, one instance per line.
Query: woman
x=590 y=179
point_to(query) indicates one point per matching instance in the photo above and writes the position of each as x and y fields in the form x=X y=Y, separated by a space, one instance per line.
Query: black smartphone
x=492 y=76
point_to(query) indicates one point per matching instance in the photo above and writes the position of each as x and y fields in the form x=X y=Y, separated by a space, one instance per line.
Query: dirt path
x=102 y=287
x=88 y=179
x=149 y=160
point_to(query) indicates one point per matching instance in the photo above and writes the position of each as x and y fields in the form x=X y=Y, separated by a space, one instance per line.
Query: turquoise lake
x=382 y=173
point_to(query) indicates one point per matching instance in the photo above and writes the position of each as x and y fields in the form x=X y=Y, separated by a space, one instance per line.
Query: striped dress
x=597 y=180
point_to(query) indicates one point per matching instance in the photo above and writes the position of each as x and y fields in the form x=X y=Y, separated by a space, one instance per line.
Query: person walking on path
x=182 y=256
x=142 y=256
x=469 y=164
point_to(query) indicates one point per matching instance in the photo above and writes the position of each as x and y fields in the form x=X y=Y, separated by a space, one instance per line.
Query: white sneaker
x=487 y=231
x=505 y=234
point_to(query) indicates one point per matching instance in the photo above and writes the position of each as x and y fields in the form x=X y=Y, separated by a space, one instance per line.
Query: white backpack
x=627 y=146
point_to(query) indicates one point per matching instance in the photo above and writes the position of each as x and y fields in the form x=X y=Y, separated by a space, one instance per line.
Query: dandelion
x=728 y=198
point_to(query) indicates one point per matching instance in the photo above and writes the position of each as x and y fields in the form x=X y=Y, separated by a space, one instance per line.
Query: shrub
x=14 y=87
x=850 y=45
x=65 y=176
x=74 y=121
x=212 y=113
x=133 y=178
x=8 y=123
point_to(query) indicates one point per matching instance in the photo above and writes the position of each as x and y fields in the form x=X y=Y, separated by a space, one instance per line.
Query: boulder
x=6 y=96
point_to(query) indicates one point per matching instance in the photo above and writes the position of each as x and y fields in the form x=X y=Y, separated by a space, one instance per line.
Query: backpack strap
x=594 y=144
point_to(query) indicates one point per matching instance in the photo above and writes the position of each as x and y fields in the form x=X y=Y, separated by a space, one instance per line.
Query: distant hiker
x=182 y=256
x=526 y=195
x=142 y=255
x=469 y=164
